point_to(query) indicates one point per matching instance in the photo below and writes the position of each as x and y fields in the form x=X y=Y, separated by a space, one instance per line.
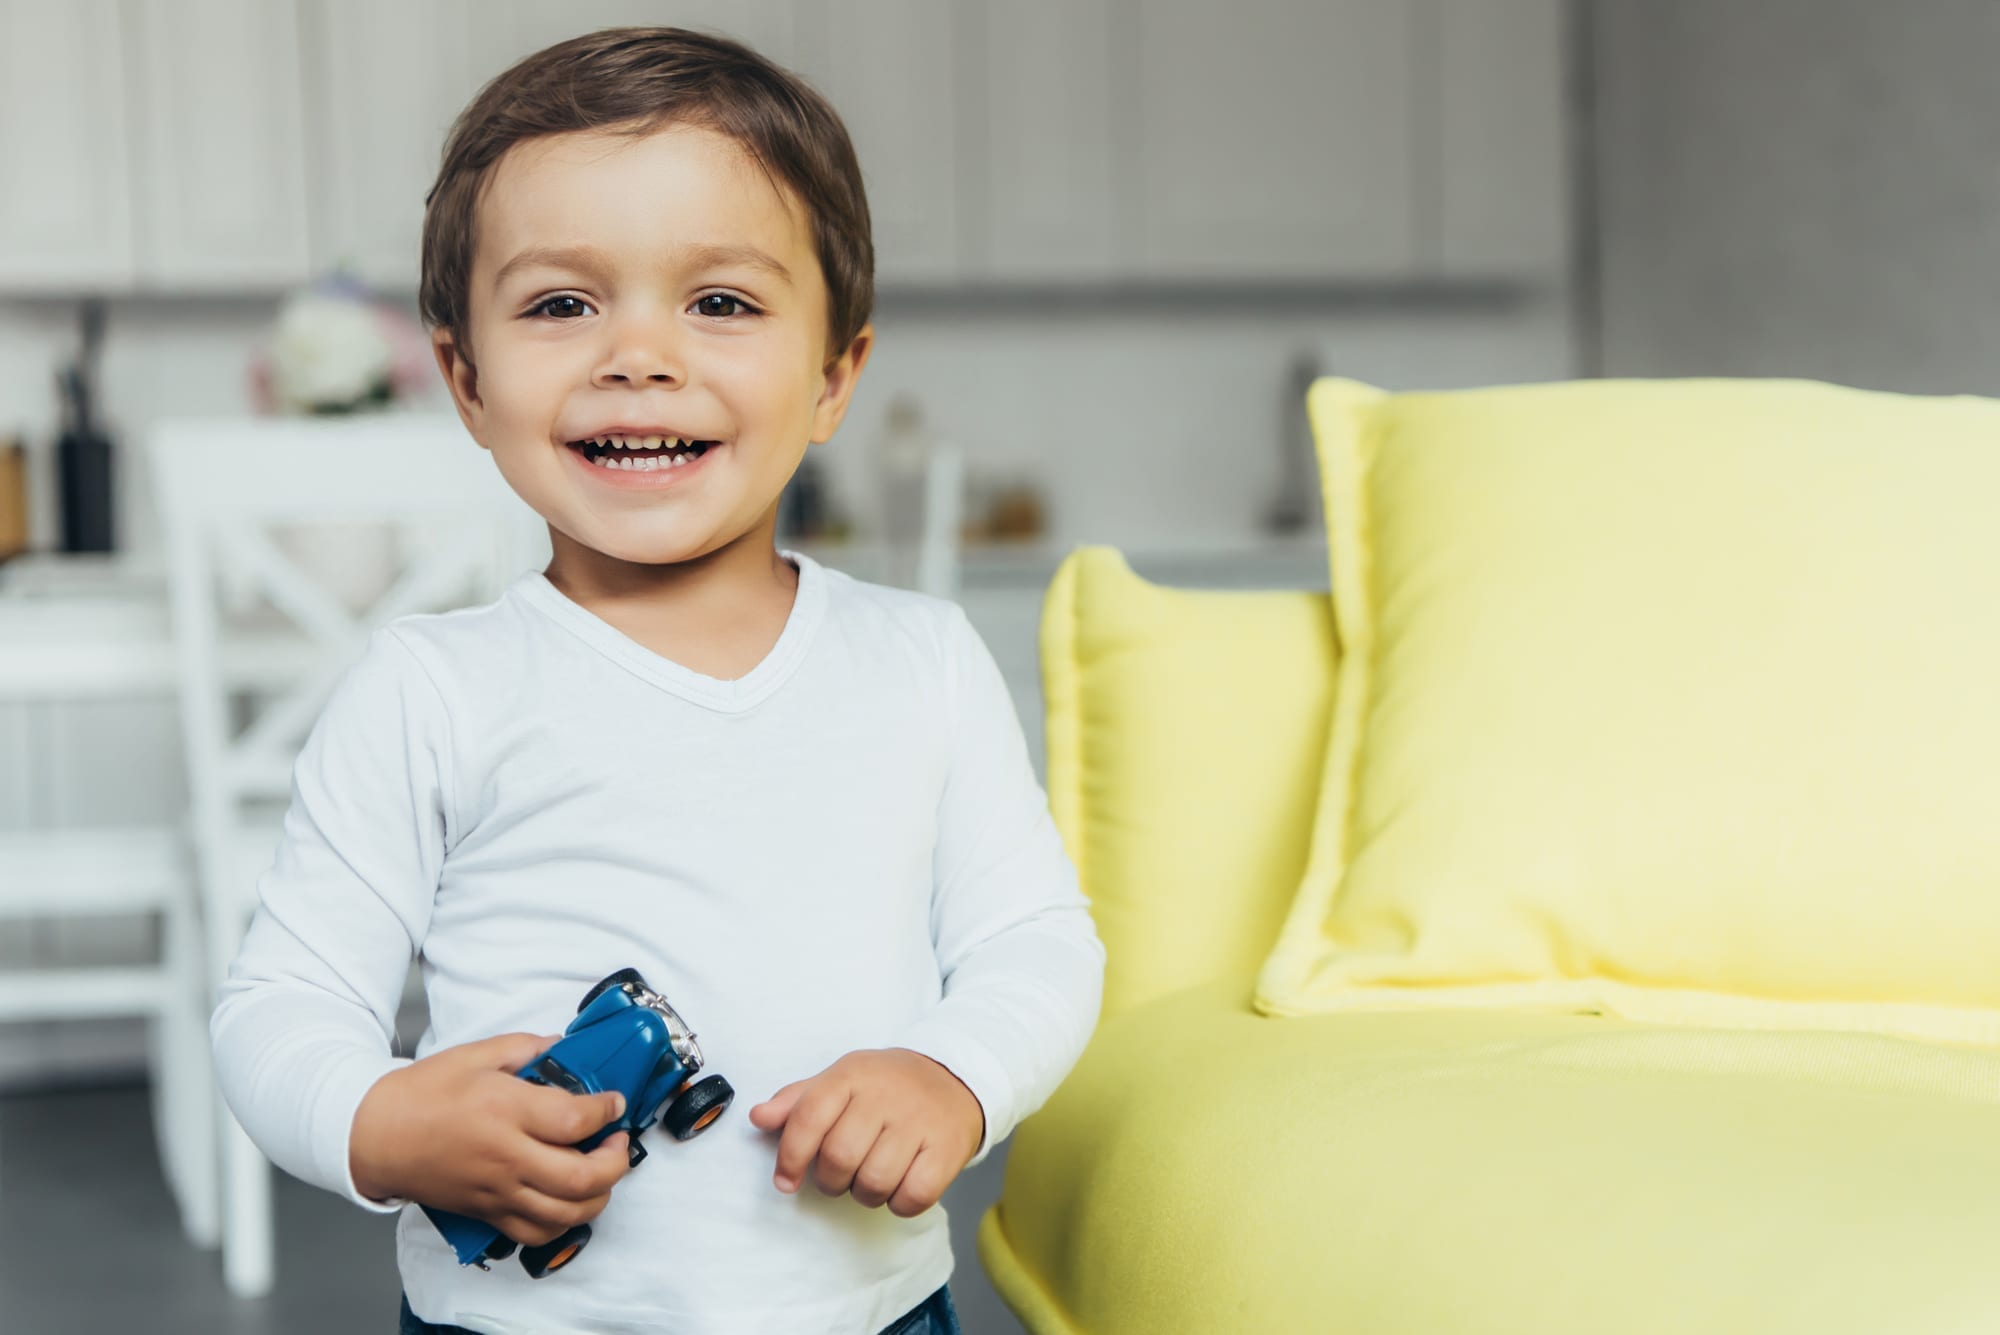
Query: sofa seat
x=1205 y=1168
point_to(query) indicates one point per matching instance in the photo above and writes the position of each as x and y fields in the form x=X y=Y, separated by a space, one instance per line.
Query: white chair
x=222 y=487
x=62 y=651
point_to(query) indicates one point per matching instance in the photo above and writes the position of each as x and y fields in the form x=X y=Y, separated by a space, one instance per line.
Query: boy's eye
x=703 y=304
x=561 y=308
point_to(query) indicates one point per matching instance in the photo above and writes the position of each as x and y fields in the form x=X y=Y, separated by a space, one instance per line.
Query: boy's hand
x=890 y=1125
x=459 y=1131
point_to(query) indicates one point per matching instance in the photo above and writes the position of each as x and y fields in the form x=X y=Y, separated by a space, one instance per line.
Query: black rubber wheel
x=499 y=1249
x=618 y=979
x=554 y=1255
x=698 y=1105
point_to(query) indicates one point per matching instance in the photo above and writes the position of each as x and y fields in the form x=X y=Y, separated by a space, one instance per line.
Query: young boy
x=800 y=805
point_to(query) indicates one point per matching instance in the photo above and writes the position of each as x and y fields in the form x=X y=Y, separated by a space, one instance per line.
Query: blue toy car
x=624 y=1037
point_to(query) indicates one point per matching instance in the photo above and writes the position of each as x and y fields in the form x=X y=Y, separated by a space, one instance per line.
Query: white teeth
x=677 y=452
x=641 y=443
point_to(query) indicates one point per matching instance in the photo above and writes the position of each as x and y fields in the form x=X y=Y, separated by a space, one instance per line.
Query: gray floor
x=89 y=1241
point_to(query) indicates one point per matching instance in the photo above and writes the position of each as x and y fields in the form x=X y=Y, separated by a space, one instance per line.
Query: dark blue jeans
x=933 y=1316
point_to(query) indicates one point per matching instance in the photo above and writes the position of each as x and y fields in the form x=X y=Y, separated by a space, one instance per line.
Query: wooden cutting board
x=13 y=499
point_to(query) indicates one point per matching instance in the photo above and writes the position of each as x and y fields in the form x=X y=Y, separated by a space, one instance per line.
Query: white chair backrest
x=228 y=490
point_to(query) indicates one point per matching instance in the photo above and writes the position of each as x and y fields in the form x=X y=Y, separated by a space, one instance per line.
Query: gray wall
x=1800 y=187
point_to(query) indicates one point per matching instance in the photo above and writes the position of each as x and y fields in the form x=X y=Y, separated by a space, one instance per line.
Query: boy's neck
x=718 y=615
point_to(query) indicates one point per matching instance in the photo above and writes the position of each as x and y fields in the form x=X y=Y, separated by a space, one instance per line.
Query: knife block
x=83 y=468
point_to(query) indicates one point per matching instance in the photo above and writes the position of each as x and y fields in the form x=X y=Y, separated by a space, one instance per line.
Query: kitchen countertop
x=1227 y=560
x=1200 y=560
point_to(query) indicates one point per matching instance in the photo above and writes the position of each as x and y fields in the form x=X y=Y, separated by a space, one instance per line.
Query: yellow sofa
x=1206 y=1168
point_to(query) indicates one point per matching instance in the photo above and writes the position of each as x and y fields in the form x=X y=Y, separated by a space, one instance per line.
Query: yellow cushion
x=1679 y=700
x=1185 y=736
x=1439 y=1173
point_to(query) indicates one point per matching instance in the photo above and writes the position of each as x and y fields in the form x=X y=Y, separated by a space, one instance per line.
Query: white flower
x=327 y=352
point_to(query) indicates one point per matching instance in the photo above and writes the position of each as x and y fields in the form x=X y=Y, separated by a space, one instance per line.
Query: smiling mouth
x=642 y=454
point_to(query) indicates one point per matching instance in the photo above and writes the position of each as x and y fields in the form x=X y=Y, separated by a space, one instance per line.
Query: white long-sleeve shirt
x=845 y=849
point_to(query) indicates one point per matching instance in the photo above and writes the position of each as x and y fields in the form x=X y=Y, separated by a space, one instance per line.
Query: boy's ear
x=840 y=378
x=461 y=376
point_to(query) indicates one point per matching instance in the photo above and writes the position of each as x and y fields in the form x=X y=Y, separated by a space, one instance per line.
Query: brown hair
x=640 y=80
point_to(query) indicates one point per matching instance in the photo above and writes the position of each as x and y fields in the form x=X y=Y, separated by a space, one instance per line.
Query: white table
x=74 y=647
x=77 y=627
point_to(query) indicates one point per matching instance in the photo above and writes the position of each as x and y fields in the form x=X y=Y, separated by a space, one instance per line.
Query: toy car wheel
x=499 y=1249
x=698 y=1105
x=553 y=1255
x=619 y=979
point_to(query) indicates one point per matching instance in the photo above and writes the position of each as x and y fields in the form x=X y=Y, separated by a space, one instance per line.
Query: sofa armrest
x=1186 y=734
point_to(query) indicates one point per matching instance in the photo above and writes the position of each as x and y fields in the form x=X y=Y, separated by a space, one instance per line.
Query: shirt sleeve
x=305 y=1021
x=1022 y=965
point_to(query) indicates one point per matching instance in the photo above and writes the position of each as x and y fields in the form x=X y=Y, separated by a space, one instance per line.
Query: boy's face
x=659 y=286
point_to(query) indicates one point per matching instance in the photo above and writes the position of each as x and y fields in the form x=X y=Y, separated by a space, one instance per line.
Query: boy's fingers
x=930 y=1173
x=887 y=1164
x=566 y=1175
x=844 y=1149
x=533 y=1216
x=772 y=1112
x=557 y=1117
x=811 y=1118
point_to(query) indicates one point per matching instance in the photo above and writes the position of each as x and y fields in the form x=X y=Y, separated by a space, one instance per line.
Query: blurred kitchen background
x=1115 y=239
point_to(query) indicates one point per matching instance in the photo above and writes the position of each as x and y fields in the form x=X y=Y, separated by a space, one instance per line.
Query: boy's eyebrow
x=583 y=259
x=720 y=256
x=590 y=260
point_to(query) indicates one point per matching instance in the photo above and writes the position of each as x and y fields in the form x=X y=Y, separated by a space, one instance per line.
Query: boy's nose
x=639 y=368
x=642 y=352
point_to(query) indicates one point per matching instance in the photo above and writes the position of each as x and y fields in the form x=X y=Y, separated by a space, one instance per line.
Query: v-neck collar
x=745 y=692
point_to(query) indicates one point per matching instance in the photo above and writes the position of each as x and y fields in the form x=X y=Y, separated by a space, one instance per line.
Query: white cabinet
x=1273 y=139
x=65 y=162
x=222 y=160
x=1166 y=142
x=1498 y=76
x=1119 y=142
x=503 y=31
x=1045 y=206
x=390 y=77
x=888 y=68
x=151 y=144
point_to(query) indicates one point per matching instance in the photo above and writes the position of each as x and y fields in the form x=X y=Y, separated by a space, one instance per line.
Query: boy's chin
x=657 y=539
x=640 y=551
x=646 y=554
